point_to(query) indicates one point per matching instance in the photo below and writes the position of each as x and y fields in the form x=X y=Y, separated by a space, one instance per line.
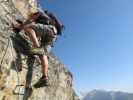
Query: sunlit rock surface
x=13 y=82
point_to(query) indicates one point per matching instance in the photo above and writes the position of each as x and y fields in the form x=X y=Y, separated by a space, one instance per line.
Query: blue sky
x=97 y=44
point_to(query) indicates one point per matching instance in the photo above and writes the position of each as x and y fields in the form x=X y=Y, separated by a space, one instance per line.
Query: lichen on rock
x=13 y=82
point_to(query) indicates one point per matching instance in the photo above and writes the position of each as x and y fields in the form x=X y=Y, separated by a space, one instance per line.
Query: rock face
x=12 y=81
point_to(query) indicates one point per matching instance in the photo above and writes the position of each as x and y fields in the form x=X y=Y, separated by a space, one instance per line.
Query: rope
x=2 y=59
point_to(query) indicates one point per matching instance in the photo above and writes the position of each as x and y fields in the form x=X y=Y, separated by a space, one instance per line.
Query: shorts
x=42 y=30
x=46 y=33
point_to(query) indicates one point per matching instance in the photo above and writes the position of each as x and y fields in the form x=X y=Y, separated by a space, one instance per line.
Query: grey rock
x=12 y=81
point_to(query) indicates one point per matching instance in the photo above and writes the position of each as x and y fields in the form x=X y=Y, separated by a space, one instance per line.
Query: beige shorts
x=42 y=31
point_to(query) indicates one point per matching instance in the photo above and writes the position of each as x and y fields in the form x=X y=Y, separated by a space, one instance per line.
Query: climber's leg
x=44 y=62
x=43 y=81
x=31 y=33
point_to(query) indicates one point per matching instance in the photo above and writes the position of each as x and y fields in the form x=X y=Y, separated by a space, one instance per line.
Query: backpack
x=48 y=38
x=42 y=18
x=56 y=22
x=48 y=18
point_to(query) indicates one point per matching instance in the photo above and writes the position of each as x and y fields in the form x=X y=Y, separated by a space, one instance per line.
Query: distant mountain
x=105 y=95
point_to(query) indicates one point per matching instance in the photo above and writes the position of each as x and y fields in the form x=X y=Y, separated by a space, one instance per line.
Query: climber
x=32 y=35
x=35 y=30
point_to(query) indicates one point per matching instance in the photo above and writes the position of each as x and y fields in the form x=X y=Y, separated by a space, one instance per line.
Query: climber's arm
x=18 y=25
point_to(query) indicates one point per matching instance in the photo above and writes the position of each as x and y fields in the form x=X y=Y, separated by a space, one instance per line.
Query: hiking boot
x=43 y=81
x=37 y=51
